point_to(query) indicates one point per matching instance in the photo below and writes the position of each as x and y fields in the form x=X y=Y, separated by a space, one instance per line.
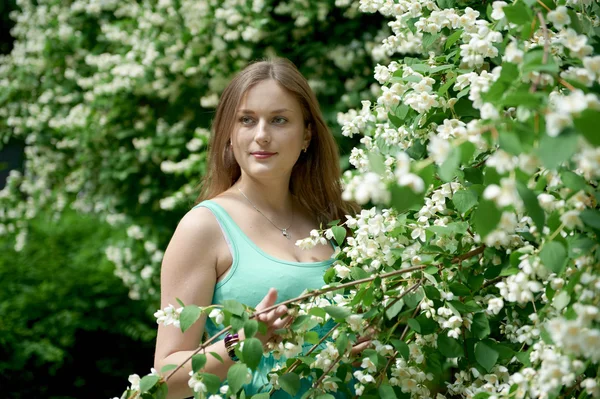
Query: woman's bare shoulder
x=197 y=233
x=198 y=222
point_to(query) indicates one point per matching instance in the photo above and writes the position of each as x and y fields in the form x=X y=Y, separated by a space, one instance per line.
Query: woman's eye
x=279 y=120
x=245 y=120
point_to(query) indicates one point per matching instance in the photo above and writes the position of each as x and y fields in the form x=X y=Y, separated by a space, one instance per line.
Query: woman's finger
x=358 y=348
x=268 y=301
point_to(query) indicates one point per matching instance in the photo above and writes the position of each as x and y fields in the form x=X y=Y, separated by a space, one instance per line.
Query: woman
x=273 y=176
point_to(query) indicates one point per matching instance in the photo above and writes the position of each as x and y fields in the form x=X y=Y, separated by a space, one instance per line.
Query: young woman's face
x=269 y=133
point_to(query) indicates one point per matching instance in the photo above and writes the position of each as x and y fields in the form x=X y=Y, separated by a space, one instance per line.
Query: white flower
x=195 y=382
x=341 y=270
x=369 y=365
x=355 y=321
x=571 y=219
x=134 y=380
x=497 y=12
x=556 y=122
x=217 y=316
x=168 y=316
x=495 y=305
x=559 y=17
x=488 y=111
x=438 y=148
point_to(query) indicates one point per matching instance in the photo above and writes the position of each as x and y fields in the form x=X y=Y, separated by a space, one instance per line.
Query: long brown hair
x=315 y=179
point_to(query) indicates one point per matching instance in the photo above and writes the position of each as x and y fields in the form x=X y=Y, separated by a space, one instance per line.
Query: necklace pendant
x=285 y=233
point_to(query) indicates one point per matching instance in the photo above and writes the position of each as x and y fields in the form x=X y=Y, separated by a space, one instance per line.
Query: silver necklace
x=283 y=231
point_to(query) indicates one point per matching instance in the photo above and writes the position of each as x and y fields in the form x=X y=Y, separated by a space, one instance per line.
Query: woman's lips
x=263 y=154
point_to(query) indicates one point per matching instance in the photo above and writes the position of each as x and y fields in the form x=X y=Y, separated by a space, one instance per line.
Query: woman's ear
x=307 y=135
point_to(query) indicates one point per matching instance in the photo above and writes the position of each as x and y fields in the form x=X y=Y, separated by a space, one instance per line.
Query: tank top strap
x=231 y=231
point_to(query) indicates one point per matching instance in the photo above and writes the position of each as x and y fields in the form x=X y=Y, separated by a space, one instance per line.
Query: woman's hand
x=363 y=342
x=271 y=318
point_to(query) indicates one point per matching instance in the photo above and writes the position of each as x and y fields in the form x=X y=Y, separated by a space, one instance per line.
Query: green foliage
x=67 y=322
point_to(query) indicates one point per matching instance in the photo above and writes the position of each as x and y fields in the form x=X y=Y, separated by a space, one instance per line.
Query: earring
x=305 y=149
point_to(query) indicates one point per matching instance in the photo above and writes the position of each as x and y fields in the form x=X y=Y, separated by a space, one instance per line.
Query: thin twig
x=566 y=84
x=546 y=50
x=469 y=254
x=543 y=5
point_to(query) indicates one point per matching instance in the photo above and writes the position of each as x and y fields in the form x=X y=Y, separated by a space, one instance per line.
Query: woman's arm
x=188 y=272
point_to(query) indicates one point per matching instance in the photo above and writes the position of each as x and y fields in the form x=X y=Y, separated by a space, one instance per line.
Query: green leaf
x=459 y=289
x=480 y=326
x=573 y=180
x=509 y=142
x=386 y=392
x=414 y=324
x=532 y=205
x=553 y=151
x=509 y=73
x=339 y=233
x=167 y=367
x=404 y=198
x=486 y=217
x=554 y=256
x=587 y=124
x=376 y=163
x=337 y=312
x=341 y=343
x=426 y=325
x=188 y=316
x=524 y=358
x=397 y=122
x=533 y=60
x=449 y=347
x=290 y=383
x=464 y=200
x=450 y=165
x=252 y=352
x=518 y=14
x=216 y=356
x=211 y=381
x=233 y=307
x=264 y=395
x=429 y=39
x=482 y=395
x=393 y=310
x=198 y=361
x=325 y=396
x=401 y=347
x=147 y=382
x=485 y=355
x=561 y=300
x=522 y=98
x=250 y=328
x=591 y=217
x=453 y=38
x=402 y=111
x=444 y=88
x=161 y=392
x=431 y=292
x=236 y=376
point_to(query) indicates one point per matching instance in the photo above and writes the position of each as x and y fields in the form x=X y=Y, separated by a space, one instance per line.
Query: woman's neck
x=273 y=197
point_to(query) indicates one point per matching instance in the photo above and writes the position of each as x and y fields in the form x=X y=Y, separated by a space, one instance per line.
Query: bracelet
x=231 y=342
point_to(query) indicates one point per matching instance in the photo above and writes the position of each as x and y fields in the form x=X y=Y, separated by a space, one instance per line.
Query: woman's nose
x=262 y=132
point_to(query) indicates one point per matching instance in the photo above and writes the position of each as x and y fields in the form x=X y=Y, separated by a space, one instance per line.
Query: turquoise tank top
x=248 y=280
